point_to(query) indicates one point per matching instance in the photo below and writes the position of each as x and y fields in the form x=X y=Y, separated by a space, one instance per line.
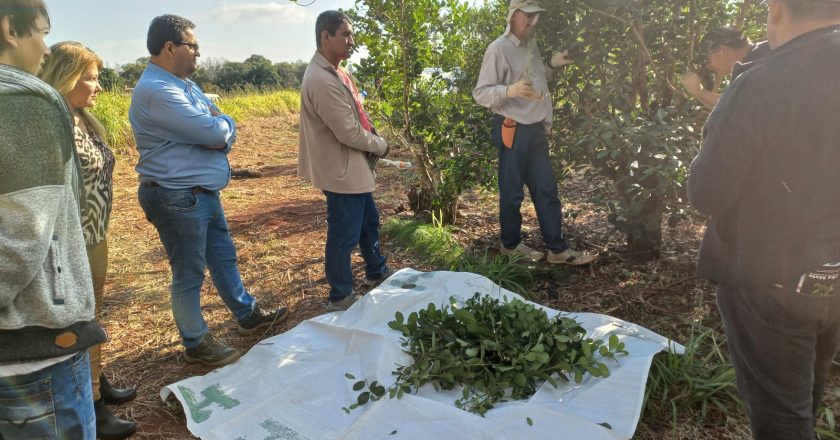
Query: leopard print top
x=97 y=168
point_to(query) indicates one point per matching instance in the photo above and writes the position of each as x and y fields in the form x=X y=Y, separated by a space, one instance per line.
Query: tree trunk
x=644 y=231
x=422 y=202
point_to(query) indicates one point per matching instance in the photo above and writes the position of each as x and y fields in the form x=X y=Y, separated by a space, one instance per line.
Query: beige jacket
x=334 y=148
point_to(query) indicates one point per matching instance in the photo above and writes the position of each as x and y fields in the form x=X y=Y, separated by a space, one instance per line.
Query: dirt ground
x=278 y=222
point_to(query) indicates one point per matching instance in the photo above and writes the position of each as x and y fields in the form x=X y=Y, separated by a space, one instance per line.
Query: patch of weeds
x=431 y=242
x=504 y=270
x=826 y=426
x=435 y=244
x=695 y=383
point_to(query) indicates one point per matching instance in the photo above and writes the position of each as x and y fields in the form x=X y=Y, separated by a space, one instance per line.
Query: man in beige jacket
x=338 y=145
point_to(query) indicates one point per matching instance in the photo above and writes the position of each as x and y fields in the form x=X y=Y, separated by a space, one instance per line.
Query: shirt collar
x=162 y=73
x=513 y=39
x=323 y=62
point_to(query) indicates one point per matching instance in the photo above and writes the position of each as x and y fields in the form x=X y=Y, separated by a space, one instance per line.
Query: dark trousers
x=352 y=219
x=527 y=163
x=781 y=345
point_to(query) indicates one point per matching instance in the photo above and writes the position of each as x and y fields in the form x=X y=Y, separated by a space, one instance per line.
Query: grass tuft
x=435 y=244
x=432 y=243
x=694 y=384
x=243 y=106
x=112 y=110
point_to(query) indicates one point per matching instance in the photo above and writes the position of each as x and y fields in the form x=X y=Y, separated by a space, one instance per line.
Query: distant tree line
x=214 y=75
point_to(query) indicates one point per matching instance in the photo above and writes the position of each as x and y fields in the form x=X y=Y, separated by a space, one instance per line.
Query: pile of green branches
x=497 y=351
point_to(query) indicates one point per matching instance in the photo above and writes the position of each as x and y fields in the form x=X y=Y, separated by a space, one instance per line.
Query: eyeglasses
x=193 y=46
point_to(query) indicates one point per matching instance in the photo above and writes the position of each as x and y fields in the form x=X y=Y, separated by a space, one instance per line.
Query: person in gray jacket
x=46 y=295
x=338 y=145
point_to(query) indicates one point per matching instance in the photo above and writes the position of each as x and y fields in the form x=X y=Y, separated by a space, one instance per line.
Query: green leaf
x=529 y=421
x=358 y=386
x=363 y=398
x=349 y=376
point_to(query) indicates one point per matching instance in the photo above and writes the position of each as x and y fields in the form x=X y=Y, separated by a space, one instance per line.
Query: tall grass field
x=112 y=109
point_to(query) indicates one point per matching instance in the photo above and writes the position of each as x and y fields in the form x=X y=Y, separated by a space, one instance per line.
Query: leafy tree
x=420 y=87
x=260 y=73
x=621 y=106
x=130 y=73
x=290 y=74
x=110 y=80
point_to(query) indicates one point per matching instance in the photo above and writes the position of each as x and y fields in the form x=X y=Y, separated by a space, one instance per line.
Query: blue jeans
x=53 y=403
x=194 y=231
x=352 y=219
x=527 y=163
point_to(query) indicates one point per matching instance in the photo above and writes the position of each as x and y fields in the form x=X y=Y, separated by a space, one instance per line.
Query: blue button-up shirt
x=181 y=144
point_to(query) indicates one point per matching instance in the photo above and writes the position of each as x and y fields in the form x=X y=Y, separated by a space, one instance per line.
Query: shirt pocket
x=180 y=200
x=344 y=165
x=54 y=272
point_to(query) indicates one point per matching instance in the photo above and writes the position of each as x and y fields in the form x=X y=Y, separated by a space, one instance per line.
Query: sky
x=231 y=30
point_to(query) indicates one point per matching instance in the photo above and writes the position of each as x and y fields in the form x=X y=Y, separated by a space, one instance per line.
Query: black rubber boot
x=109 y=426
x=115 y=396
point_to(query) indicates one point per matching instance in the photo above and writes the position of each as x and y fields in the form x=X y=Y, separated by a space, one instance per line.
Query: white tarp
x=292 y=386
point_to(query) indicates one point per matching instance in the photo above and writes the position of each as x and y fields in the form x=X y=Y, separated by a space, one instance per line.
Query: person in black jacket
x=767 y=176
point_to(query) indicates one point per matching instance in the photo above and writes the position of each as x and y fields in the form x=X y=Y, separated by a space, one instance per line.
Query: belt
x=195 y=189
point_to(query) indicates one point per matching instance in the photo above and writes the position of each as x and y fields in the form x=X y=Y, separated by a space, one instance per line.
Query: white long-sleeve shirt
x=506 y=61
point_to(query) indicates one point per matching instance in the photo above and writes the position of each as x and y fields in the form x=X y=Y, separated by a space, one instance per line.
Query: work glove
x=560 y=59
x=523 y=89
x=691 y=82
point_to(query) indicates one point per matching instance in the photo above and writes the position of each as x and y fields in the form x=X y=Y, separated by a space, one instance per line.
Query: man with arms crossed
x=183 y=141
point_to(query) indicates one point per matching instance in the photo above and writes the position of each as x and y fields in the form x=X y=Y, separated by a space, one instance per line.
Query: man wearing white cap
x=513 y=84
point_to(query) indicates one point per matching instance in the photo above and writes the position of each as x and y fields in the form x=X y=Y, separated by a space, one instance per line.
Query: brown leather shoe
x=211 y=352
x=260 y=320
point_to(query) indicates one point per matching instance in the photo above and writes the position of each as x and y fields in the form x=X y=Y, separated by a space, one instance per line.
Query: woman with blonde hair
x=73 y=70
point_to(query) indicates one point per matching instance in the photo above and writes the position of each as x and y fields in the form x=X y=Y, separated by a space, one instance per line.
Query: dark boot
x=109 y=426
x=115 y=396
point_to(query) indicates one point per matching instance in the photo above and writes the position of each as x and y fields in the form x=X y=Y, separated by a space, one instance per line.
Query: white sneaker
x=570 y=257
x=524 y=251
